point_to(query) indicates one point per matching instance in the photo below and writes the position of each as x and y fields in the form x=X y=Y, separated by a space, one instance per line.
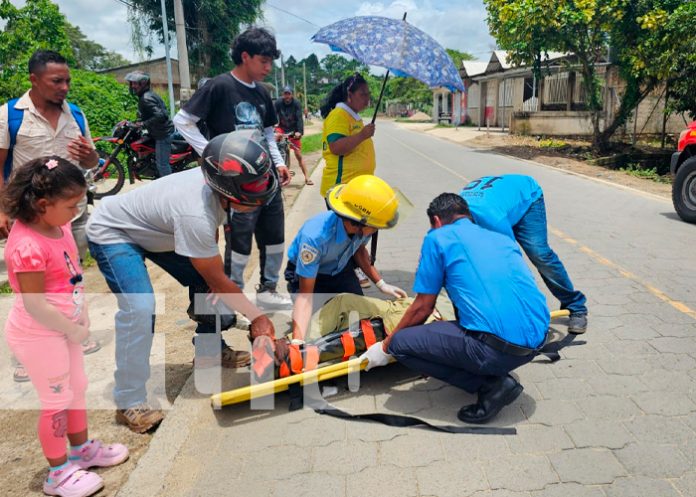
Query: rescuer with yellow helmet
x=329 y=246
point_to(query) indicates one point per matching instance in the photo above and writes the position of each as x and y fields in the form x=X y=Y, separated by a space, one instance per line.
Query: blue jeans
x=530 y=233
x=123 y=268
x=444 y=351
x=163 y=150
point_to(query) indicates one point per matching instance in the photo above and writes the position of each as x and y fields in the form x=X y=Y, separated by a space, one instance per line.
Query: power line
x=126 y=4
x=293 y=15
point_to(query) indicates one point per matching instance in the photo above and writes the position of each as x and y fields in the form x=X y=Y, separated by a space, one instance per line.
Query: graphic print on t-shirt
x=78 y=293
x=247 y=117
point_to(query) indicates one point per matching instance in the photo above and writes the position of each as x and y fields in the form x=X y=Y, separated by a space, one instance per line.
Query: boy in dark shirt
x=237 y=100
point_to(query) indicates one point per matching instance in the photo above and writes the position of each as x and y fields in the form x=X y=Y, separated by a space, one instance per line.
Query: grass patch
x=651 y=174
x=311 y=143
x=88 y=261
x=551 y=143
x=5 y=289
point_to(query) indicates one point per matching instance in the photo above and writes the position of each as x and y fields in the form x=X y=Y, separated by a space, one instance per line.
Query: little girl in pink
x=49 y=319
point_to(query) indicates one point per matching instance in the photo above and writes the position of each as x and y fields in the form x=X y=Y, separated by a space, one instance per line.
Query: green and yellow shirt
x=342 y=122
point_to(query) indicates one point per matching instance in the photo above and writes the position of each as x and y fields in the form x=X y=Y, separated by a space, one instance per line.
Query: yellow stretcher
x=244 y=394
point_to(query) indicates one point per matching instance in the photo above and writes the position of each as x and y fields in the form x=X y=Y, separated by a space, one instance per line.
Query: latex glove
x=392 y=290
x=376 y=356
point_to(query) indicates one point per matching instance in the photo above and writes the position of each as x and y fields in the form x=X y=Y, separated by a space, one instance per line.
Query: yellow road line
x=680 y=306
x=676 y=304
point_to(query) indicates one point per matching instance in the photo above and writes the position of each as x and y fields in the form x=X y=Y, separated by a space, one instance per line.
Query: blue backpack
x=14 y=121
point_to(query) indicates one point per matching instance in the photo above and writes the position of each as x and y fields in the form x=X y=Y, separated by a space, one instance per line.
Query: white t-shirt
x=177 y=213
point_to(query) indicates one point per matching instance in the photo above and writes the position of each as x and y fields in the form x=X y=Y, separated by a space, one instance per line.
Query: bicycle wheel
x=107 y=180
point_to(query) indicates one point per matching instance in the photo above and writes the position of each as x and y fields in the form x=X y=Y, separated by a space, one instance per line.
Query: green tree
x=40 y=25
x=37 y=25
x=670 y=54
x=89 y=54
x=457 y=57
x=211 y=25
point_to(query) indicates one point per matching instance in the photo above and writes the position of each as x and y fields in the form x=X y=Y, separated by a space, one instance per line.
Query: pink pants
x=56 y=369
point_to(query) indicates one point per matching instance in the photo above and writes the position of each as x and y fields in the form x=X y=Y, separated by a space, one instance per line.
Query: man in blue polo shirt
x=502 y=317
x=328 y=247
x=513 y=204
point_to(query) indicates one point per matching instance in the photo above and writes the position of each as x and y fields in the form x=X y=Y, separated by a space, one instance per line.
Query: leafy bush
x=104 y=100
x=636 y=170
x=551 y=143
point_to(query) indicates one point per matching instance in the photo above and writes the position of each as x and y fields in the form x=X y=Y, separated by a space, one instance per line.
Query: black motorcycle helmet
x=237 y=165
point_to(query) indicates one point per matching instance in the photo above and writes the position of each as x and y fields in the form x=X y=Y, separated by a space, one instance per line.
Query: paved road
x=615 y=417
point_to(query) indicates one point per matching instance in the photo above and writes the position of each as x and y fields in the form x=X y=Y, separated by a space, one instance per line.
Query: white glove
x=392 y=290
x=376 y=356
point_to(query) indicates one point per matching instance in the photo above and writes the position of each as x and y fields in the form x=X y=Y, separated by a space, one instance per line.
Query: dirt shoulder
x=529 y=148
x=18 y=440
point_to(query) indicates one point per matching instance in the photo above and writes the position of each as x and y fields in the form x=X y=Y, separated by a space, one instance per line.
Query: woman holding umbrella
x=346 y=142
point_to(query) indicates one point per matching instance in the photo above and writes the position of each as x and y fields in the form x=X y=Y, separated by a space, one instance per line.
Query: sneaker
x=362 y=278
x=20 y=374
x=269 y=297
x=577 y=323
x=73 y=482
x=95 y=453
x=139 y=418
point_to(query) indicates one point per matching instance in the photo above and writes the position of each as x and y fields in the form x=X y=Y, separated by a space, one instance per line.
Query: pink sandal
x=73 y=482
x=95 y=454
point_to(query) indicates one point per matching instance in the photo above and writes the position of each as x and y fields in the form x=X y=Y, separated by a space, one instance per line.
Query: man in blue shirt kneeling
x=502 y=317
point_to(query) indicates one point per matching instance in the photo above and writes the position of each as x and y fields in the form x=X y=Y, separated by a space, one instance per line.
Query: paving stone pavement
x=615 y=417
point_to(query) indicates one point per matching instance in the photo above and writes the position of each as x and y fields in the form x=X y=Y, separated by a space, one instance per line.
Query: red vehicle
x=139 y=153
x=683 y=169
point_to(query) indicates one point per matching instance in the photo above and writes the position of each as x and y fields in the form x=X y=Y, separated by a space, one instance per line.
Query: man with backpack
x=41 y=122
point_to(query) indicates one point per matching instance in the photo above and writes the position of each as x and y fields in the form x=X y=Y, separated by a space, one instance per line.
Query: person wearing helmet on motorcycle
x=153 y=116
x=237 y=100
x=323 y=255
x=174 y=222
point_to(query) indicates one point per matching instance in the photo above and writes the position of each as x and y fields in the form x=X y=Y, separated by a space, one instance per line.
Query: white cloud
x=458 y=24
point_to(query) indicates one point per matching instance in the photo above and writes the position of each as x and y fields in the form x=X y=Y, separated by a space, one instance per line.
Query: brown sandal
x=309 y=182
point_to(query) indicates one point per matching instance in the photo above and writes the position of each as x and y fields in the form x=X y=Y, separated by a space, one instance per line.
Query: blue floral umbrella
x=395 y=44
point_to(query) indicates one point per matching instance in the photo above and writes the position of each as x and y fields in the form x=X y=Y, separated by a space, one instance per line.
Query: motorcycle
x=284 y=146
x=139 y=150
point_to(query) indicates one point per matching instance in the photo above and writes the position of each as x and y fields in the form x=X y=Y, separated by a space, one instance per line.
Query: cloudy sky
x=458 y=24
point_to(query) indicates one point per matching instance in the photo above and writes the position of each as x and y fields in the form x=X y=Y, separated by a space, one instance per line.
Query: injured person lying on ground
x=347 y=325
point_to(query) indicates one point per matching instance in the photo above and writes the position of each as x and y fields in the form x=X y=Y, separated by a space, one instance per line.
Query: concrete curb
x=147 y=479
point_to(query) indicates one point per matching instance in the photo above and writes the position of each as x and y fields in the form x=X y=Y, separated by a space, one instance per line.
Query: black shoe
x=577 y=323
x=492 y=398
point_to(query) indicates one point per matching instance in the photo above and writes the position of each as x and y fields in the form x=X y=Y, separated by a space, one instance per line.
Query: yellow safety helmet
x=367 y=199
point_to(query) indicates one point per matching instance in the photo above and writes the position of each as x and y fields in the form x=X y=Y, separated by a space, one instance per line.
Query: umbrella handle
x=379 y=100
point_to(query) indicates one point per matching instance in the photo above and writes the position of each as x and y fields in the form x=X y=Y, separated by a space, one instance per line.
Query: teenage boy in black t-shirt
x=237 y=100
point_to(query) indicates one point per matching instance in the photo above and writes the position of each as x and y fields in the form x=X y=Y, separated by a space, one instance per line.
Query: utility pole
x=304 y=84
x=184 y=75
x=170 y=85
x=282 y=70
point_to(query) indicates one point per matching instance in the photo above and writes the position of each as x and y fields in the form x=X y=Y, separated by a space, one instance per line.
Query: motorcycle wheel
x=684 y=191
x=183 y=166
x=111 y=180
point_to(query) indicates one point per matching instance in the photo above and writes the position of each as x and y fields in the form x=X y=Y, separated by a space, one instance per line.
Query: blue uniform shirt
x=486 y=279
x=498 y=202
x=323 y=246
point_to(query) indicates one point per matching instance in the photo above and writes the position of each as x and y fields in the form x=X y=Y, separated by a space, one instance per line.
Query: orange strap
x=311 y=357
x=295 y=357
x=348 y=345
x=368 y=333
x=284 y=370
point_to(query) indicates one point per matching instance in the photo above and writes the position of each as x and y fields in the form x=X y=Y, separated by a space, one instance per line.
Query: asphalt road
x=616 y=416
